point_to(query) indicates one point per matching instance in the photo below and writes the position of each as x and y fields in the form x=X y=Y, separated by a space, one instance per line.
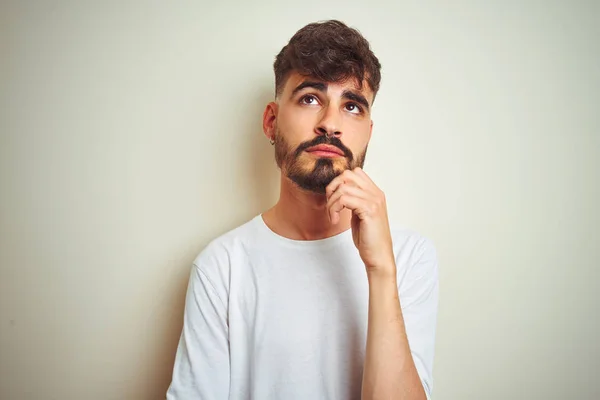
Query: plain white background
x=131 y=136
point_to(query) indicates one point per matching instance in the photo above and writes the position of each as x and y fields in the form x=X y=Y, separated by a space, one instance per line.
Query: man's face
x=321 y=129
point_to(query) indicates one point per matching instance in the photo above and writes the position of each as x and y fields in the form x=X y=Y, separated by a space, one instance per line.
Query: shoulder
x=415 y=253
x=227 y=244
x=215 y=260
x=411 y=243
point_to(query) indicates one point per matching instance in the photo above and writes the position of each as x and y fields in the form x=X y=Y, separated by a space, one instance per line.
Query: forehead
x=351 y=84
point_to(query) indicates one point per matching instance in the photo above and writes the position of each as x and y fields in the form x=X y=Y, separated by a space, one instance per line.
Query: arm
x=399 y=352
x=401 y=332
x=201 y=368
x=389 y=370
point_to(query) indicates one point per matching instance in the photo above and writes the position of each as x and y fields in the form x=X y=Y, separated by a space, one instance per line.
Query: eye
x=309 y=99
x=353 y=108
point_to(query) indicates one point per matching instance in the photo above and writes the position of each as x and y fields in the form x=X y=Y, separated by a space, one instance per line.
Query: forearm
x=389 y=370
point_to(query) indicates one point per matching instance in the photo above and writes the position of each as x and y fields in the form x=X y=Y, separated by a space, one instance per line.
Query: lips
x=325 y=151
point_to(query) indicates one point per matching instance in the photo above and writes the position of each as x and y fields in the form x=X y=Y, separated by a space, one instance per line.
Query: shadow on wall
x=259 y=180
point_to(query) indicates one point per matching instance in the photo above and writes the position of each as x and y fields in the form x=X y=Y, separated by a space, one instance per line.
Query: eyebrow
x=320 y=86
x=359 y=98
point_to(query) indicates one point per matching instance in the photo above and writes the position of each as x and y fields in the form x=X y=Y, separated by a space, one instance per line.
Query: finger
x=345 y=177
x=349 y=197
x=352 y=203
x=347 y=189
x=361 y=172
x=333 y=211
x=334 y=185
x=365 y=178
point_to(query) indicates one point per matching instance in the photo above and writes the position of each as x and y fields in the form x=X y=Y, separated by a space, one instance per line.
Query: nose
x=330 y=124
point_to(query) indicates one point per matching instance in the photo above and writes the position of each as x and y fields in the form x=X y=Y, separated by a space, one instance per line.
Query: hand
x=354 y=190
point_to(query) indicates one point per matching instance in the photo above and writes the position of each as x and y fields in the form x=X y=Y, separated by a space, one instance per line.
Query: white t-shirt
x=268 y=317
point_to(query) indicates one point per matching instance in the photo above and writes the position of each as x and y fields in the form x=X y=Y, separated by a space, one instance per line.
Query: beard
x=310 y=173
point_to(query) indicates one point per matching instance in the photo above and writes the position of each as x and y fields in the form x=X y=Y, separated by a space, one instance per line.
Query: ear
x=269 y=118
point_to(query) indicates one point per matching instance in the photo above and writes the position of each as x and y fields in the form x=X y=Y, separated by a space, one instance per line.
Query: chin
x=316 y=175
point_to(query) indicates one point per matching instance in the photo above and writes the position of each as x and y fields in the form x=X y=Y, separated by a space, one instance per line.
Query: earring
x=272 y=141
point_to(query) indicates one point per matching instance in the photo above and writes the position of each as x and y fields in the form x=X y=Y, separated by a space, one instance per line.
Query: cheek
x=358 y=140
x=297 y=123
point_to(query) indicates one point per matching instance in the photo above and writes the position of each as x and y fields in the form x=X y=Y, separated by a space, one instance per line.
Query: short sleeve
x=419 y=295
x=201 y=368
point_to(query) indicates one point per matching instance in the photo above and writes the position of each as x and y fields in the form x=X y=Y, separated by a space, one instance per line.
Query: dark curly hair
x=330 y=51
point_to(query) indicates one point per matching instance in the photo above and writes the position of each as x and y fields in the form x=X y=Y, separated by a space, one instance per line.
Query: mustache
x=332 y=141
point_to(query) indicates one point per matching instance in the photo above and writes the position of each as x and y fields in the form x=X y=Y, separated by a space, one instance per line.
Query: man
x=316 y=298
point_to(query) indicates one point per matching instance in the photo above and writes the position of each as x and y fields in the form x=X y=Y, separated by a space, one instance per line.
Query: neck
x=303 y=215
